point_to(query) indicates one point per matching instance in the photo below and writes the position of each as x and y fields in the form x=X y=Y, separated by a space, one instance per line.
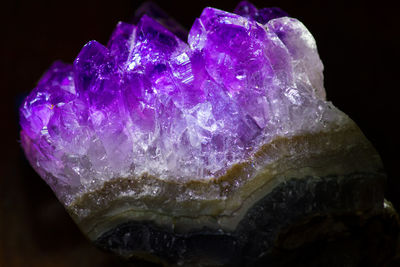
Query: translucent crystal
x=150 y=103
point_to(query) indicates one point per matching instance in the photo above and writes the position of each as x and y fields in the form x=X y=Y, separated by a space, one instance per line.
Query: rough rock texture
x=291 y=226
x=168 y=151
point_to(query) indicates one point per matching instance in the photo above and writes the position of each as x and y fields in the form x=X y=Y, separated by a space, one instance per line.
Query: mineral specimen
x=169 y=150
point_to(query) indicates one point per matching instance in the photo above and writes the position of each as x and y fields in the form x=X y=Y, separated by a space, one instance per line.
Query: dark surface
x=270 y=231
x=358 y=43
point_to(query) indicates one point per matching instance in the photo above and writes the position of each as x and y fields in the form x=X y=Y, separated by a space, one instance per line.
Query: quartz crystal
x=150 y=103
x=191 y=135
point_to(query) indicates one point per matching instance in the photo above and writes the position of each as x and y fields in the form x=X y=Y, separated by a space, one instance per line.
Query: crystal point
x=120 y=42
x=155 y=12
x=248 y=10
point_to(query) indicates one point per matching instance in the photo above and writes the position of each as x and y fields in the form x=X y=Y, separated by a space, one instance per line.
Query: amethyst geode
x=150 y=103
x=169 y=150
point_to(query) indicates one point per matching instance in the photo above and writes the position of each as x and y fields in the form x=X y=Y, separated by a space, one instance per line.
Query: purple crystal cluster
x=149 y=102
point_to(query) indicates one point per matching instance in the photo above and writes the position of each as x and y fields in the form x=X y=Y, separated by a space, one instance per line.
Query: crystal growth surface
x=149 y=102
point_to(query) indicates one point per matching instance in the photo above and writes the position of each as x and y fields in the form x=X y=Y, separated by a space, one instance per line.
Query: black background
x=358 y=43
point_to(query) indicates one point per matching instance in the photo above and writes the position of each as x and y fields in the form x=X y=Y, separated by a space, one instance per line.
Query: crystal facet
x=248 y=10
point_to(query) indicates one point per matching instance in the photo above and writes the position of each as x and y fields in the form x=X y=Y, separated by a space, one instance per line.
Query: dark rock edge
x=309 y=221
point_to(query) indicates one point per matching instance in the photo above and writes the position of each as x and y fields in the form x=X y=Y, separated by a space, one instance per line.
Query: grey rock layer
x=318 y=184
x=255 y=239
